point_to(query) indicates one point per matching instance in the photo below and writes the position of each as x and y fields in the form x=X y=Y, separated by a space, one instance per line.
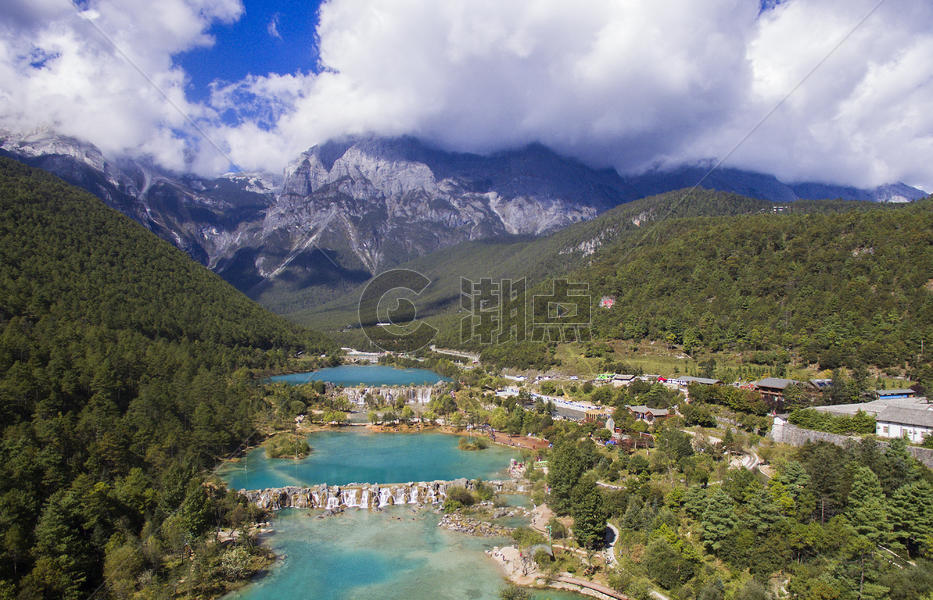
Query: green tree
x=407 y=414
x=912 y=514
x=589 y=516
x=235 y=563
x=196 y=510
x=712 y=590
x=565 y=467
x=670 y=560
x=760 y=511
x=867 y=510
x=752 y=590
x=718 y=519
x=499 y=419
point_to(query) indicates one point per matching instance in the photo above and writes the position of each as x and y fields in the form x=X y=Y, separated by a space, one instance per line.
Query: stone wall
x=788 y=433
x=362 y=495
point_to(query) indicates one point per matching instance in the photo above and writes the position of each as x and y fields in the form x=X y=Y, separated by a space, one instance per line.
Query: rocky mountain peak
x=347 y=208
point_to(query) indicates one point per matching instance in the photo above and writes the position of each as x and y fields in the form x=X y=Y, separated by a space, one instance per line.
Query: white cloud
x=627 y=84
x=87 y=89
x=273 y=27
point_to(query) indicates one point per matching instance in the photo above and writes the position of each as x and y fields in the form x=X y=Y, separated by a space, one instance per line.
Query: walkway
x=611 y=593
x=610 y=549
x=540 y=517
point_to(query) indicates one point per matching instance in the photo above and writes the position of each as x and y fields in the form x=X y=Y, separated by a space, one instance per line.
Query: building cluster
x=898 y=412
x=358 y=356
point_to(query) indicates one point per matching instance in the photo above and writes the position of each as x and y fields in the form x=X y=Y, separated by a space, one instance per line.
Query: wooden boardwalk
x=566 y=578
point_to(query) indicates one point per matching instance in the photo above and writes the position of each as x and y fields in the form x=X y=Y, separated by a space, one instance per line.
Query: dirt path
x=540 y=517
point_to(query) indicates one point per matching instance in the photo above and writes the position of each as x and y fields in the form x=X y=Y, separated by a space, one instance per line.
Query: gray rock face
x=344 y=210
x=341 y=212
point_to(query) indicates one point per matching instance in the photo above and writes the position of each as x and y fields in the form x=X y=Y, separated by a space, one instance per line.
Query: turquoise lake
x=363 y=555
x=351 y=375
x=359 y=554
x=354 y=455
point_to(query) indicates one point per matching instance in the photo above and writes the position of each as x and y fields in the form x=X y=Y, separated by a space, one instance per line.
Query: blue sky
x=248 y=47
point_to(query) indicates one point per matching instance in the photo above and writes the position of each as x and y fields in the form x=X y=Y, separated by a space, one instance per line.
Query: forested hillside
x=835 y=288
x=121 y=377
x=829 y=282
x=565 y=252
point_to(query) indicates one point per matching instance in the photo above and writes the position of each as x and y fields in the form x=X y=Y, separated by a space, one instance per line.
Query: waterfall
x=299 y=499
x=349 y=498
x=360 y=495
x=384 y=495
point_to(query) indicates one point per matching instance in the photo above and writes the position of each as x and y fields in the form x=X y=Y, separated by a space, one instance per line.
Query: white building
x=894 y=417
x=896 y=422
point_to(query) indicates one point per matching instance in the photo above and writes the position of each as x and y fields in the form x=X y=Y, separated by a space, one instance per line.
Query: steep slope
x=347 y=209
x=763 y=186
x=117 y=360
x=207 y=218
x=850 y=287
x=566 y=251
x=350 y=209
x=834 y=282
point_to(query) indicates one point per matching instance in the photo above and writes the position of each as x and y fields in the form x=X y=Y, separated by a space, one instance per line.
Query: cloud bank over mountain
x=632 y=85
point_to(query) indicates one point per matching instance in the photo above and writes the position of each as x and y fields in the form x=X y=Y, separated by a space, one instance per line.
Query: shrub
x=809 y=418
x=514 y=592
x=558 y=531
x=473 y=443
x=526 y=537
x=458 y=497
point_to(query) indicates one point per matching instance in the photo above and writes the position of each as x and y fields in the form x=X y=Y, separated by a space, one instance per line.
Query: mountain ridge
x=346 y=209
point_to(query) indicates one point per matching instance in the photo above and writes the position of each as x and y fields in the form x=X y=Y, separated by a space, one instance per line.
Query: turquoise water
x=516 y=500
x=398 y=553
x=355 y=456
x=350 y=375
x=513 y=522
x=362 y=555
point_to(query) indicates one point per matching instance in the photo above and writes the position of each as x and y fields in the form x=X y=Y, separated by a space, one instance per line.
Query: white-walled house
x=894 y=417
x=896 y=422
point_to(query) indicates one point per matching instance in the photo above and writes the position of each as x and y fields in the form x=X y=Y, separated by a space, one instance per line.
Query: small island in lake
x=473 y=443
x=287 y=445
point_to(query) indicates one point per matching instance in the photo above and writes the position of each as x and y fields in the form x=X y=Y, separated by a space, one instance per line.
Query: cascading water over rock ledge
x=363 y=495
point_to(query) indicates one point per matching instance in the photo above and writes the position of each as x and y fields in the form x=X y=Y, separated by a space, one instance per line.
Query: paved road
x=610 y=550
x=467 y=355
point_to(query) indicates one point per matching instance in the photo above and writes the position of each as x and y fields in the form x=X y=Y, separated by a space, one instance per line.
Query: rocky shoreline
x=478 y=527
x=521 y=569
